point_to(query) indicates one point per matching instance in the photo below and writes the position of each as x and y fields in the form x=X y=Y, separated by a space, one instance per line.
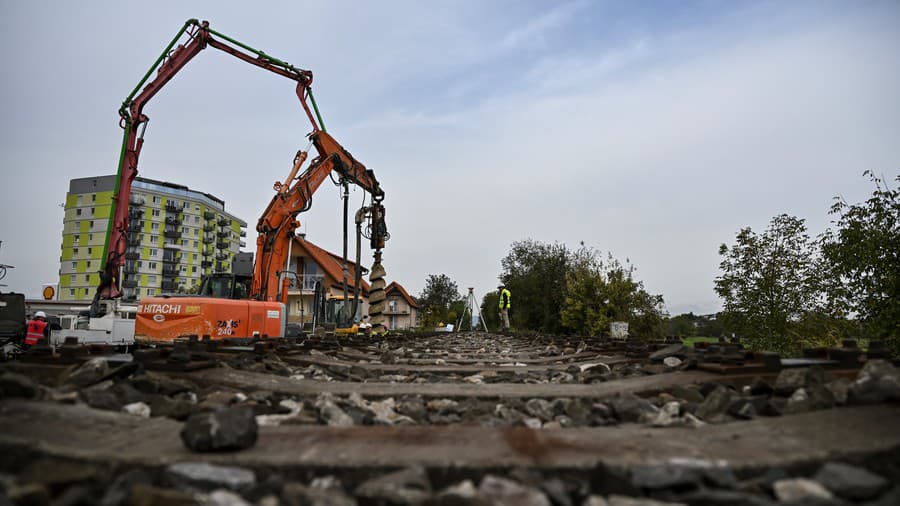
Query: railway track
x=411 y=419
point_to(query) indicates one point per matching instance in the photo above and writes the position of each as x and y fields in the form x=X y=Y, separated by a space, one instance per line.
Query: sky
x=651 y=130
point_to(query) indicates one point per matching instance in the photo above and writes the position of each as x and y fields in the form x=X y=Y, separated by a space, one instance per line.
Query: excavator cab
x=226 y=286
x=337 y=311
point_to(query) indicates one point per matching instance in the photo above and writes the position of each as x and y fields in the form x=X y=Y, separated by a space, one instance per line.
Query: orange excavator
x=229 y=306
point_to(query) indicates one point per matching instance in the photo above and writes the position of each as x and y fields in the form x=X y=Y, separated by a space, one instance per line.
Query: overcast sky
x=653 y=130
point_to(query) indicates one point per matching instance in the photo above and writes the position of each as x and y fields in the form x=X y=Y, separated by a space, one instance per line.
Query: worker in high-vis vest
x=37 y=329
x=505 y=297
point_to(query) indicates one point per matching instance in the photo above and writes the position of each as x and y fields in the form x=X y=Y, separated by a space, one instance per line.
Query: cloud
x=655 y=139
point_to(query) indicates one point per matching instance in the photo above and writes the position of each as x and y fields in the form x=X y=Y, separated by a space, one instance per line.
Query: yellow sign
x=49 y=292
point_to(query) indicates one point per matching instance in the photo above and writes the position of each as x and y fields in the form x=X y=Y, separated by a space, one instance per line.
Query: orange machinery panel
x=163 y=319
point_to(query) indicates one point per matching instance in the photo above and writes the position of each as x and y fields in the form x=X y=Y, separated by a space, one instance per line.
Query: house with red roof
x=401 y=310
x=315 y=266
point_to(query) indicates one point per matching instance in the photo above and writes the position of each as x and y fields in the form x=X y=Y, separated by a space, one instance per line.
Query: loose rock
x=851 y=482
x=800 y=489
x=878 y=381
x=200 y=476
x=17 y=385
x=408 y=486
x=503 y=492
x=715 y=406
x=223 y=429
x=88 y=373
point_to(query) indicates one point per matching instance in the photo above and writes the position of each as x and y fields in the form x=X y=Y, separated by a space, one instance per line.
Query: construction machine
x=228 y=306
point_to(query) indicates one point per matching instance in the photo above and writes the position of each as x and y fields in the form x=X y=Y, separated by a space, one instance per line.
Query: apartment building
x=175 y=236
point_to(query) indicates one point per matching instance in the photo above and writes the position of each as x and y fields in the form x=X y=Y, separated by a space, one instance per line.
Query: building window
x=154 y=227
x=152 y=265
x=196 y=232
x=193 y=256
x=92 y=211
x=88 y=264
x=140 y=264
x=183 y=268
x=78 y=212
x=78 y=200
x=87 y=277
x=152 y=252
x=154 y=239
x=90 y=237
x=76 y=238
x=196 y=243
x=74 y=265
x=197 y=219
x=90 y=250
x=197 y=208
x=151 y=279
x=71 y=292
x=193 y=269
x=75 y=251
x=155 y=212
x=92 y=223
x=93 y=198
x=156 y=199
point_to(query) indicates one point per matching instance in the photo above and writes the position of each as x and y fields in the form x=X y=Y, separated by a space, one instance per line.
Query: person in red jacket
x=37 y=329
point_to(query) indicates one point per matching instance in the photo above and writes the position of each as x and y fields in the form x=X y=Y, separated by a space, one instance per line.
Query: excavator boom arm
x=277 y=224
x=133 y=121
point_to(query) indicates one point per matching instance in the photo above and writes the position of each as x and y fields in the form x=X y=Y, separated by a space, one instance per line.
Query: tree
x=683 y=325
x=490 y=305
x=535 y=274
x=599 y=292
x=862 y=261
x=768 y=283
x=436 y=298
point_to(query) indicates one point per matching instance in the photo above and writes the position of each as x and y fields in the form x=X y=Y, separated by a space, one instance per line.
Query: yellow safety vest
x=508 y=299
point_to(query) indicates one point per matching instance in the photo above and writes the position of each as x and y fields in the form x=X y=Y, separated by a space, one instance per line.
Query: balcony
x=306 y=282
x=171 y=259
x=224 y=234
x=243 y=233
x=222 y=267
x=172 y=207
x=168 y=286
x=135 y=225
x=172 y=246
x=222 y=257
x=208 y=239
x=134 y=240
x=243 y=244
x=224 y=222
x=135 y=214
x=132 y=255
x=172 y=233
x=129 y=283
x=209 y=228
x=206 y=264
x=135 y=200
x=173 y=220
x=169 y=270
x=209 y=215
x=222 y=245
